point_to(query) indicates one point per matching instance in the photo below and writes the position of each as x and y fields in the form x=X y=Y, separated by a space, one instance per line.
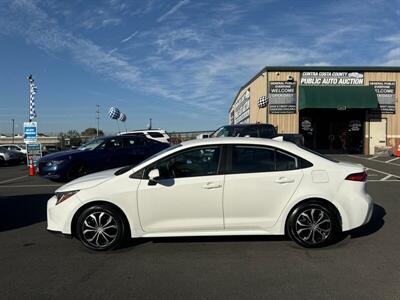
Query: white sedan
x=230 y=186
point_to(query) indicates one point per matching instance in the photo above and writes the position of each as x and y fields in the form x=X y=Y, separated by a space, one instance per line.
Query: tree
x=74 y=137
x=92 y=132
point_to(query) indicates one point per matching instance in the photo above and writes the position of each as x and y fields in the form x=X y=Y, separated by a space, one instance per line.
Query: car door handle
x=284 y=180
x=210 y=185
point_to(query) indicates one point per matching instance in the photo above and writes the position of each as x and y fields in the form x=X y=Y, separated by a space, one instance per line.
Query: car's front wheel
x=100 y=227
x=313 y=225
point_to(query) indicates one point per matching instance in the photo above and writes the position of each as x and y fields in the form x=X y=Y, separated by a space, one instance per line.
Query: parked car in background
x=153 y=134
x=231 y=186
x=257 y=130
x=14 y=147
x=9 y=157
x=97 y=155
x=48 y=149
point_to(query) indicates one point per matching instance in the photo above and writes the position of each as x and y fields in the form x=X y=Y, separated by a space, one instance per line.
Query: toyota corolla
x=231 y=186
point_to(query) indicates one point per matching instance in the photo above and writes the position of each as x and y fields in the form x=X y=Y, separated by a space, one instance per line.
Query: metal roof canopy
x=337 y=97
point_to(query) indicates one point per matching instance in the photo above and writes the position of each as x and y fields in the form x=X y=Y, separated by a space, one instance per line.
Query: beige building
x=336 y=109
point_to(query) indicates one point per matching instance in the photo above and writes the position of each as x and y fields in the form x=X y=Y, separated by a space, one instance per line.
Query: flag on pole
x=32 y=93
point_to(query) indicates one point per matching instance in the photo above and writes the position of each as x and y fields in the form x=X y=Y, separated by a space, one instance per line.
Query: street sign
x=30 y=132
x=34 y=152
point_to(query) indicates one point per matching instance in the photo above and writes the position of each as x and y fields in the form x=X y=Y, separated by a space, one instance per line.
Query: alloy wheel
x=99 y=229
x=313 y=226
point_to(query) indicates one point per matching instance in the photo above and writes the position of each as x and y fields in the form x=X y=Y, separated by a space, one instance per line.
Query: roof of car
x=247 y=125
x=239 y=140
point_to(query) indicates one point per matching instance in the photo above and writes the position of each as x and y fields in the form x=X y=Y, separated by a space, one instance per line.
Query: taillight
x=357 y=176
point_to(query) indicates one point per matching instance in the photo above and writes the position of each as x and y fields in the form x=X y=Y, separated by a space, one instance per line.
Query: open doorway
x=332 y=130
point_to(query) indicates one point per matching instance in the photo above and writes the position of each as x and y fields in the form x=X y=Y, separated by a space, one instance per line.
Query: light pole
x=98 y=118
x=13 y=134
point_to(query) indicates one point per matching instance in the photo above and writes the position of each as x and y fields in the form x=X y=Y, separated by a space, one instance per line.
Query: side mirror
x=154 y=175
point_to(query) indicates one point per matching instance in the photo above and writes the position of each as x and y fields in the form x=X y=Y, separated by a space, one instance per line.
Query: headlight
x=54 y=163
x=61 y=197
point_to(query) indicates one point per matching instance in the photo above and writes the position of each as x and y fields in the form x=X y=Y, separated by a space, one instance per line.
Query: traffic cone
x=32 y=171
x=397 y=151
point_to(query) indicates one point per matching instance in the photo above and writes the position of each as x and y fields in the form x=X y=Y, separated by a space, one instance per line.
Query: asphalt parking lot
x=37 y=265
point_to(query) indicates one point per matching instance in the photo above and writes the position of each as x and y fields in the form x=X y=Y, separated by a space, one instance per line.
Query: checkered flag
x=122 y=117
x=32 y=93
x=262 y=102
x=114 y=113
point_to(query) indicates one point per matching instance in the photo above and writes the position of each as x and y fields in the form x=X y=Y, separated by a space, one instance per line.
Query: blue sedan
x=97 y=155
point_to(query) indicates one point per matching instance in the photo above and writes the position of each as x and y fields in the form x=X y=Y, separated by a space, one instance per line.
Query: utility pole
x=13 y=134
x=98 y=118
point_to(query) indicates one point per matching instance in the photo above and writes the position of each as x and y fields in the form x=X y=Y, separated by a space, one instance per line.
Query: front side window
x=250 y=131
x=197 y=162
x=248 y=159
x=114 y=143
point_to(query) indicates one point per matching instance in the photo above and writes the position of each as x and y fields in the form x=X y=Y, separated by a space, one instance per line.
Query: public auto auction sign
x=331 y=78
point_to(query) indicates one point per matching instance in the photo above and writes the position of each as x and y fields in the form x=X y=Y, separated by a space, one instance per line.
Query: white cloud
x=129 y=37
x=173 y=10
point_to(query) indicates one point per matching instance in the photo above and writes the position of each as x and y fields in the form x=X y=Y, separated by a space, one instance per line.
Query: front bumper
x=50 y=172
x=59 y=217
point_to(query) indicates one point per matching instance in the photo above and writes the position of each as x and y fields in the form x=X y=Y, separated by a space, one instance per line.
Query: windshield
x=223 y=131
x=92 y=144
x=127 y=168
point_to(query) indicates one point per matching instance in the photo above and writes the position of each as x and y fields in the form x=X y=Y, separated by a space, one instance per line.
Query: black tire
x=97 y=231
x=313 y=224
x=2 y=163
x=76 y=170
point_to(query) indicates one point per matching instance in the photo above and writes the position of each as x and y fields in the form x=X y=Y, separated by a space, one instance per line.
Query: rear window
x=156 y=134
x=318 y=154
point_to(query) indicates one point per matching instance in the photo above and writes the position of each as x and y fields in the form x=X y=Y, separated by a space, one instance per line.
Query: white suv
x=14 y=147
x=153 y=134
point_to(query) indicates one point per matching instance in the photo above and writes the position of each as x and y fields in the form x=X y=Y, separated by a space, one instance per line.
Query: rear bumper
x=357 y=206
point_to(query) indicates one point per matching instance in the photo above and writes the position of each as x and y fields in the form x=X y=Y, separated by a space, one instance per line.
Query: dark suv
x=267 y=131
x=250 y=130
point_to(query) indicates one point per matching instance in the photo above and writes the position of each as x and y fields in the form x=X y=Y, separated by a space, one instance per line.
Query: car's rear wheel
x=100 y=227
x=76 y=170
x=313 y=225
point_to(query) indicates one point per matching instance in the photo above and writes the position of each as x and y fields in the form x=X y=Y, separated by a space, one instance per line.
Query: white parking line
x=388 y=175
x=13 y=179
x=373 y=157
x=382 y=162
x=390 y=160
x=30 y=185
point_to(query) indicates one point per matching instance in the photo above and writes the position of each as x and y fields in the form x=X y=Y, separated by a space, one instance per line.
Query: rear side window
x=268 y=132
x=285 y=162
x=132 y=142
x=247 y=159
x=156 y=134
x=251 y=159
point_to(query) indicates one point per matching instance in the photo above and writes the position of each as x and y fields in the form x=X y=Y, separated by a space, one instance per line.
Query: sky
x=180 y=62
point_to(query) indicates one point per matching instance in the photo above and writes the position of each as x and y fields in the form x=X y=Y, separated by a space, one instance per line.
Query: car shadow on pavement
x=22 y=210
x=374 y=225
